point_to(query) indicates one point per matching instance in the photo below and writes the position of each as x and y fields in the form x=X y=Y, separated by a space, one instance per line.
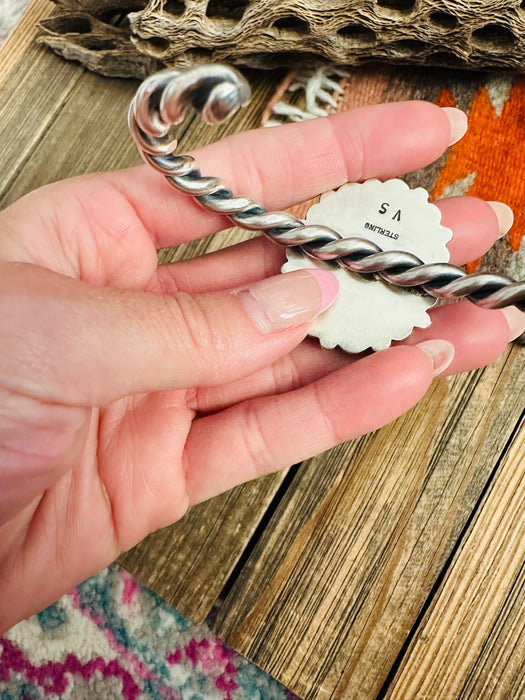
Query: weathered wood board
x=351 y=556
x=471 y=643
x=22 y=35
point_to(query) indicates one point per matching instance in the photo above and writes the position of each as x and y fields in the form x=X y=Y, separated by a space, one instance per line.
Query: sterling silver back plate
x=369 y=313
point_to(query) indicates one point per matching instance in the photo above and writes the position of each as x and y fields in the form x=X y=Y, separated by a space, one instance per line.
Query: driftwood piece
x=293 y=32
x=276 y=33
x=96 y=34
x=98 y=46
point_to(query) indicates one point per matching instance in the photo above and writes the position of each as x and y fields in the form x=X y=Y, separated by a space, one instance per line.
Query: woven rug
x=113 y=638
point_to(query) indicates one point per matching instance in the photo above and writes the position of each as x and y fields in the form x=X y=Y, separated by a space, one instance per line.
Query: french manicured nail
x=505 y=217
x=516 y=320
x=441 y=353
x=328 y=284
x=289 y=300
x=458 y=123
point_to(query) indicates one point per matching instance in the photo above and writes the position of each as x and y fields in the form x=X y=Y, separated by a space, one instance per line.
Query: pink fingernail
x=289 y=300
x=328 y=284
x=440 y=351
x=516 y=320
x=504 y=215
x=458 y=123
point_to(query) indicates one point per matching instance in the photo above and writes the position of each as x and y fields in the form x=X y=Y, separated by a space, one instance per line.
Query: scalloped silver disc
x=372 y=313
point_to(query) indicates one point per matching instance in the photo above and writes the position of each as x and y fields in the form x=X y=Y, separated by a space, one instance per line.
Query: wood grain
x=472 y=642
x=30 y=101
x=353 y=551
x=343 y=32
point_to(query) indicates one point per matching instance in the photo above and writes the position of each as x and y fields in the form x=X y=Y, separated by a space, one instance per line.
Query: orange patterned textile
x=491 y=156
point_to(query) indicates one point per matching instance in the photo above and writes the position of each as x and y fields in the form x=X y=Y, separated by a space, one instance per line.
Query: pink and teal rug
x=111 y=638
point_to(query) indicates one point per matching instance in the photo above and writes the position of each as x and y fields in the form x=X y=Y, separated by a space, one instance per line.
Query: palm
x=133 y=456
x=145 y=433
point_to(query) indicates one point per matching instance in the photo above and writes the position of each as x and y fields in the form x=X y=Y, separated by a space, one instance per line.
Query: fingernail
x=328 y=284
x=441 y=353
x=505 y=217
x=458 y=123
x=289 y=300
x=516 y=320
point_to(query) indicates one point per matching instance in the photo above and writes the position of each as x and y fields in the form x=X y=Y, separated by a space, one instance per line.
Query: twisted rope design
x=216 y=92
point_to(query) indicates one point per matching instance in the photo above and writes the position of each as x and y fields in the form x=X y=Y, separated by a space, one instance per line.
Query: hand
x=131 y=391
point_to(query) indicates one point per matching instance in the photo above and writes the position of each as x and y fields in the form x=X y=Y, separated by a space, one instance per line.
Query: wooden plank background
x=354 y=550
x=472 y=640
x=391 y=566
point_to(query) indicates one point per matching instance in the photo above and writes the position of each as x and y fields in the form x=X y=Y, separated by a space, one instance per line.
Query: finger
x=65 y=341
x=288 y=164
x=266 y=434
x=235 y=266
x=305 y=364
x=152 y=430
x=479 y=335
x=475 y=225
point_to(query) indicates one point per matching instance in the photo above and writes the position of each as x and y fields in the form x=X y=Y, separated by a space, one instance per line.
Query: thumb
x=69 y=342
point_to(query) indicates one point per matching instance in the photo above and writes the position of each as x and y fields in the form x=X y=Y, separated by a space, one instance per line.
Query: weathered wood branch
x=276 y=33
x=96 y=33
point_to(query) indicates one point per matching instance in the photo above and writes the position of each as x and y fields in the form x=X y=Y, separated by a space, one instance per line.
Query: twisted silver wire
x=215 y=92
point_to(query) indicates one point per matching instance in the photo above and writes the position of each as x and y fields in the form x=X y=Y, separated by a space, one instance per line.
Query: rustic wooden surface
x=390 y=567
x=353 y=552
x=471 y=642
